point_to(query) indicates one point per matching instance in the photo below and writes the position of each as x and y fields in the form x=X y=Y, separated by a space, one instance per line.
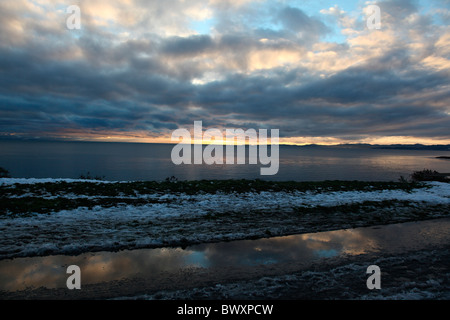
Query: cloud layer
x=137 y=70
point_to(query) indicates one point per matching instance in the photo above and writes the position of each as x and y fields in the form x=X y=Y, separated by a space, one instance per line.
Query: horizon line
x=16 y=139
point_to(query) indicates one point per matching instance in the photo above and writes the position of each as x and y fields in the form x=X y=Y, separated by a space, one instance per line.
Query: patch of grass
x=88 y=176
x=27 y=205
x=4 y=173
x=198 y=186
x=429 y=175
x=50 y=196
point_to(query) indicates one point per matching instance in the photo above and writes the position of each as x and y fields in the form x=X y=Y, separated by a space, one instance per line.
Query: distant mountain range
x=438 y=147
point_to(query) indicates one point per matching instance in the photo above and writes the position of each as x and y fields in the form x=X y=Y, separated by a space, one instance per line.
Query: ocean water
x=137 y=161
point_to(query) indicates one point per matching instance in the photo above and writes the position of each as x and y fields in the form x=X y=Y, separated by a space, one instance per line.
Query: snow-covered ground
x=132 y=220
x=178 y=219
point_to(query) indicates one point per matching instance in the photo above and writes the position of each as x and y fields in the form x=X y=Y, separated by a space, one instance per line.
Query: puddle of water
x=50 y=272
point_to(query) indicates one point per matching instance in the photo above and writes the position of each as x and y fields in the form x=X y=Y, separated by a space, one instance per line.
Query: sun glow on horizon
x=143 y=137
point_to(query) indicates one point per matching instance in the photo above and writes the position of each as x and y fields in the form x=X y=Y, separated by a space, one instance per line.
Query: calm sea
x=135 y=161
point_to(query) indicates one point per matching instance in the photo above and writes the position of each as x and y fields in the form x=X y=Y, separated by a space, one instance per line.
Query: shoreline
x=79 y=217
x=409 y=273
x=72 y=218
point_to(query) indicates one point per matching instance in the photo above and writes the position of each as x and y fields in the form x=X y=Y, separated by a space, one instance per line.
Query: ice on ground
x=194 y=219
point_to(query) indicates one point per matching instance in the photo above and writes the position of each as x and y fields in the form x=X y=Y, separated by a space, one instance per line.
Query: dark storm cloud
x=192 y=45
x=357 y=85
x=294 y=19
x=398 y=9
x=359 y=99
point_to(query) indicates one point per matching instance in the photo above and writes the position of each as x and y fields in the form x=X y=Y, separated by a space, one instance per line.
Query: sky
x=137 y=70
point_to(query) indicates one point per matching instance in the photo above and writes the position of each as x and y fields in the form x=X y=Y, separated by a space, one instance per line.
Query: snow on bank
x=186 y=218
